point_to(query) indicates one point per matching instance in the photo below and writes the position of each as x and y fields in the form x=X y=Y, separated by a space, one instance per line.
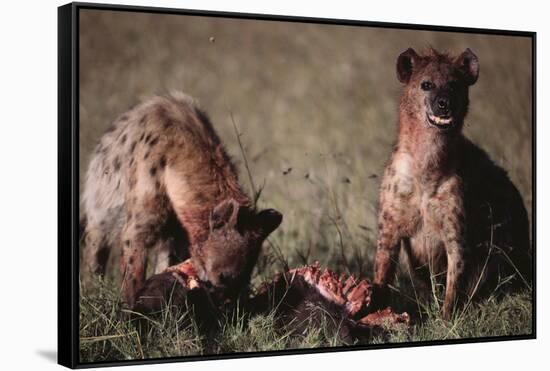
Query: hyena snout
x=447 y=102
x=226 y=259
x=441 y=105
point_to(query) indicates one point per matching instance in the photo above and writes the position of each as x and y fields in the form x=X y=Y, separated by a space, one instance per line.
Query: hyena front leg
x=454 y=246
x=455 y=270
x=387 y=254
x=453 y=236
x=140 y=235
x=133 y=262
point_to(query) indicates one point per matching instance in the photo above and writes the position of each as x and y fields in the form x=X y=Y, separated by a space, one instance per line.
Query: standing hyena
x=161 y=180
x=456 y=213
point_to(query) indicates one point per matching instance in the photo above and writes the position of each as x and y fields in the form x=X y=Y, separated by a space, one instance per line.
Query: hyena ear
x=225 y=214
x=269 y=220
x=405 y=65
x=468 y=64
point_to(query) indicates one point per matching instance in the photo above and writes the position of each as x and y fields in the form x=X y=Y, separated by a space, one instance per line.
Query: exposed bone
x=384 y=318
x=185 y=274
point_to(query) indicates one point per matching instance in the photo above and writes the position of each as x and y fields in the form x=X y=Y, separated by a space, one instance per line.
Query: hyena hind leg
x=164 y=254
x=172 y=246
x=95 y=254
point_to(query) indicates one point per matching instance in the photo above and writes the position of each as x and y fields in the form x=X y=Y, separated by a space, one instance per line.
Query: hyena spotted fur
x=456 y=214
x=160 y=180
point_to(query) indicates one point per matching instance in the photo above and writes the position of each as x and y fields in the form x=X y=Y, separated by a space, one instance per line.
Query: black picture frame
x=68 y=185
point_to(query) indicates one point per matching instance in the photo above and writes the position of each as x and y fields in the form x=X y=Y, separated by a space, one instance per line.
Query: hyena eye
x=427 y=85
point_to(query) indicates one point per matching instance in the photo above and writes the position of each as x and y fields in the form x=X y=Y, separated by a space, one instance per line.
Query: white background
x=28 y=182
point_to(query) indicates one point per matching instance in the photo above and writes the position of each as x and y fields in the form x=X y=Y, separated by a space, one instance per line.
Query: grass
x=316 y=111
x=106 y=333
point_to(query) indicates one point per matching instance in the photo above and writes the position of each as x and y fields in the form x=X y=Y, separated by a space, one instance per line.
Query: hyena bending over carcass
x=456 y=214
x=160 y=179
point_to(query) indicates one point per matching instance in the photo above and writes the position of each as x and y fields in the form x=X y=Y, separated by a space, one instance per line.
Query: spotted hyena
x=456 y=214
x=160 y=180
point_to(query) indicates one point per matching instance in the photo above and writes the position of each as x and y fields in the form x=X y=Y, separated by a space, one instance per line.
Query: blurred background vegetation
x=316 y=107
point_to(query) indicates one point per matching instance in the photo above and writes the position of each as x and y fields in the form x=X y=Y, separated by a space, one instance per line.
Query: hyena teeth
x=439 y=120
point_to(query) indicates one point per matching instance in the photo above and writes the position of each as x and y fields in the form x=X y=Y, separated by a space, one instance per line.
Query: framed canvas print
x=235 y=185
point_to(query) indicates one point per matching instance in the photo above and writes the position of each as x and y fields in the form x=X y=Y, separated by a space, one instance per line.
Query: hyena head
x=436 y=87
x=226 y=259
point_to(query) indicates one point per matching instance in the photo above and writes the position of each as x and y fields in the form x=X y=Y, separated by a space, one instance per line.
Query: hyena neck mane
x=210 y=183
x=435 y=154
x=200 y=174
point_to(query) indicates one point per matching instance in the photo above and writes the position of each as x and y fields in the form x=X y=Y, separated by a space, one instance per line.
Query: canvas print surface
x=251 y=185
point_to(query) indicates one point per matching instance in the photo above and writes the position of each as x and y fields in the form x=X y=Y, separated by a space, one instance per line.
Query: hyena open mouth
x=440 y=122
